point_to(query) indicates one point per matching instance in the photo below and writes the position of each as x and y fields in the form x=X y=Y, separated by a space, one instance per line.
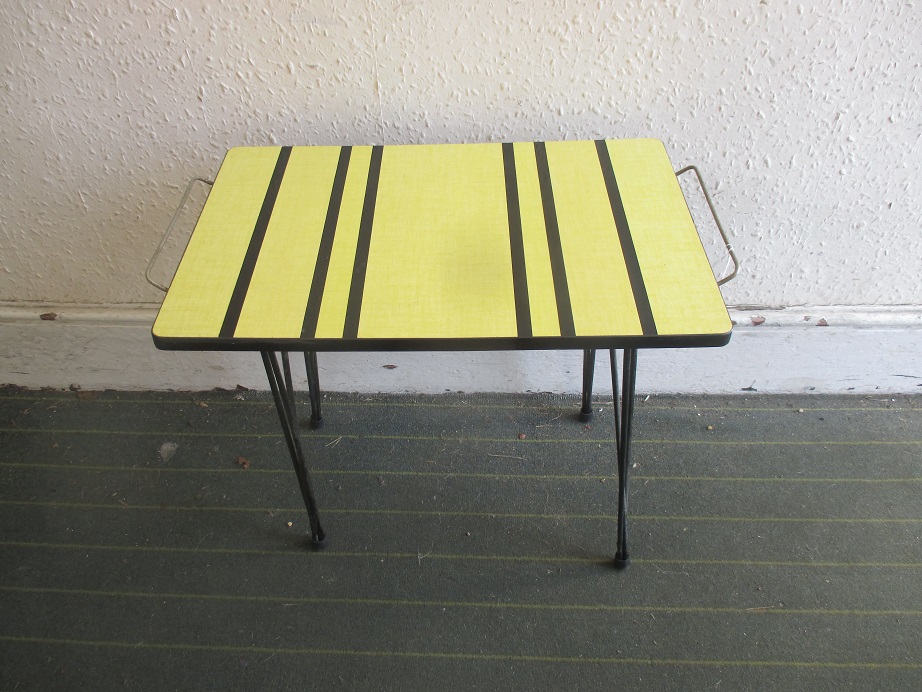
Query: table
x=528 y=245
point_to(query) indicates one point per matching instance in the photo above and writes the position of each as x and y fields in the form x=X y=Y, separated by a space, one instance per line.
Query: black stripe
x=357 y=289
x=516 y=244
x=232 y=315
x=322 y=267
x=641 y=300
x=558 y=269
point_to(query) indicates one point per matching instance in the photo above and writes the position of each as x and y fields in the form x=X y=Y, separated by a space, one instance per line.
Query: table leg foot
x=316 y=423
x=622 y=561
x=319 y=542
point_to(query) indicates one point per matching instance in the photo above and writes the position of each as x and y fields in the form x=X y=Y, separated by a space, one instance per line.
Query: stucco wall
x=804 y=116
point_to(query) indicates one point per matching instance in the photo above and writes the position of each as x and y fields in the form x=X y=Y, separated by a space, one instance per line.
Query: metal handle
x=169 y=230
x=707 y=197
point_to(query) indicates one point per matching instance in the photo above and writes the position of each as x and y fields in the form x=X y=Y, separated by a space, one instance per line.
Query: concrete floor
x=156 y=541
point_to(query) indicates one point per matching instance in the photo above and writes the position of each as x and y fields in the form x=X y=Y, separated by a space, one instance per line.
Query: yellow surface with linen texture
x=420 y=245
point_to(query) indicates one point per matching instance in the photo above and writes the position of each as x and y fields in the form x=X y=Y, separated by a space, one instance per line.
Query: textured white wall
x=805 y=117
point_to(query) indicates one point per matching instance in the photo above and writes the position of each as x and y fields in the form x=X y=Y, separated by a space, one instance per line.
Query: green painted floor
x=156 y=541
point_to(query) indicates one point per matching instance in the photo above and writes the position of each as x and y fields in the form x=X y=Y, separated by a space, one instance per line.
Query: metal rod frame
x=720 y=226
x=313 y=384
x=624 y=415
x=623 y=393
x=280 y=382
x=283 y=394
x=169 y=232
x=585 y=411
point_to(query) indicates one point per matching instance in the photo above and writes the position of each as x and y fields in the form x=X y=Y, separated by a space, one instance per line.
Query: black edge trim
x=324 y=252
x=558 y=268
x=474 y=344
x=639 y=289
x=357 y=289
x=516 y=244
x=235 y=305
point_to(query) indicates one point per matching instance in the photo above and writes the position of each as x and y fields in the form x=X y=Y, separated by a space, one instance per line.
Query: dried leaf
x=243 y=461
x=49 y=316
x=167 y=450
x=521 y=436
x=756 y=321
x=822 y=323
x=389 y=367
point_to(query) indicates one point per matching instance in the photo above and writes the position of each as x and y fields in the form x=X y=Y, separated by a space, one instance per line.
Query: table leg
x=624 y=414
x=283 y=395
x=313 y=385
x=289 y=388
x=585 y=412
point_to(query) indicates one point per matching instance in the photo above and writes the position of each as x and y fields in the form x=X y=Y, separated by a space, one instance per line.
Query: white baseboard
x=829 y=349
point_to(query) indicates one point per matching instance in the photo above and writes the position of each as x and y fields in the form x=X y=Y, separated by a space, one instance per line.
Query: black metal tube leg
x=289 y=429
x=289 y=389
x=313 y=385
x=613 y=357
x=585 y=412
x=622 y=558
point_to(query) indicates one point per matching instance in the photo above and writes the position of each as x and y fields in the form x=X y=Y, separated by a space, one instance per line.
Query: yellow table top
x=575 y=244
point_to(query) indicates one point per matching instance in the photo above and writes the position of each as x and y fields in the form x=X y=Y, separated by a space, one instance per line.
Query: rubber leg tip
x=622 y=562
x=316 y=423
x=585 y=417
x=319 y=543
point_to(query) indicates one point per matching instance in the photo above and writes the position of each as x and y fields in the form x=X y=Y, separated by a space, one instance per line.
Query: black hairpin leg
x=624 y=413
x=313 y=385
x=585 y=412
x=280 y=384
x=288 y=388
